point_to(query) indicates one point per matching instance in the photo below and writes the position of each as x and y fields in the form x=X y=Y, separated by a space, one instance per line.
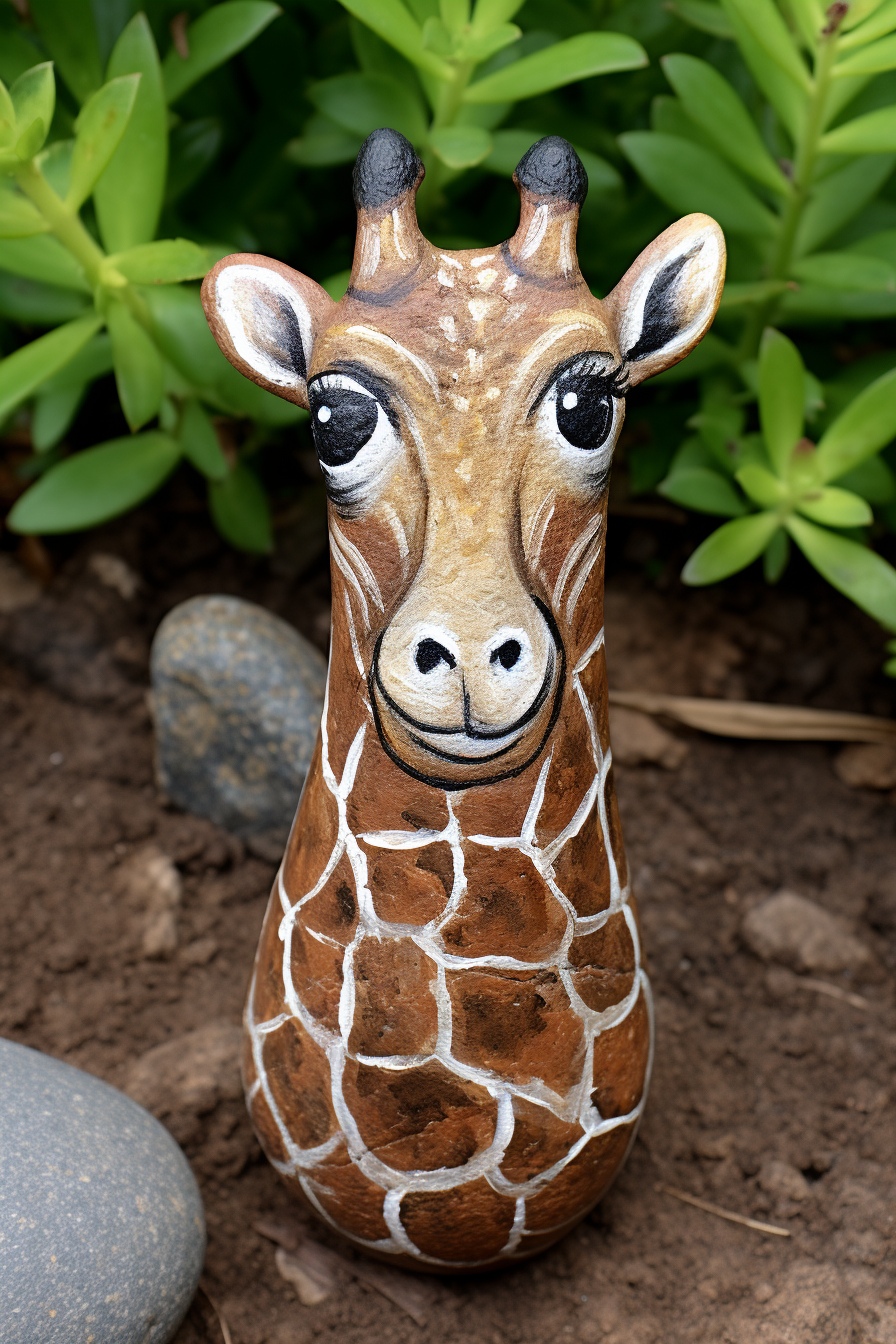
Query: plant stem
x=803 y=170
x=64 y=223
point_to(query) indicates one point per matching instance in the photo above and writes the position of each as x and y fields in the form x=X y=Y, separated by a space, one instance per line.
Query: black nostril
x=430 y=653
x=507 y=655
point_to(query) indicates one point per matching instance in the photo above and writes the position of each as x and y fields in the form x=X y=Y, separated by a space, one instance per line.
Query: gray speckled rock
x=237 y=697
x=102 y=1236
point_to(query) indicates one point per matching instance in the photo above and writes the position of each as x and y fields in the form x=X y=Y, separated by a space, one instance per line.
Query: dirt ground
x=771 y=1097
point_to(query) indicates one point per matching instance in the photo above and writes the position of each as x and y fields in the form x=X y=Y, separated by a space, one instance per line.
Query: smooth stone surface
x=102 y=1236
x=237 y=698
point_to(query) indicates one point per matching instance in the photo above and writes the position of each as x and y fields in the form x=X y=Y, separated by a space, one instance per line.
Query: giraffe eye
x=581 y=411
x=345 y=417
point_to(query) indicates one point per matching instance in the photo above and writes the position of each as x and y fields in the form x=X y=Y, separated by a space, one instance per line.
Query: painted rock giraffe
x=449 y=1028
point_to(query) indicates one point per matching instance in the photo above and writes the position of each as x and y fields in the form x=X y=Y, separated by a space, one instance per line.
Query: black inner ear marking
x=660 y=323
x=291 y=339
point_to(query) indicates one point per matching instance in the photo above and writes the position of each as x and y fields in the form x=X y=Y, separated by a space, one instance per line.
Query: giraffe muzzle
x=458 y=705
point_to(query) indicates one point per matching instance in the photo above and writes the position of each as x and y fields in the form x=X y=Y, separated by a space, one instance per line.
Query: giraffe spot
x=316 y=971
x=579 y=1186
x=333 y=911
x=469 y=1223
x=507 y=910
x=268 y=999
x=539 y=1140
x=605 y=964
x=520 y=1025
x=410 y=886
x=311 y=844
x=571 y=774
x=419 y=1119
x=353 y=1201
x=620 y=1062
x=582 y=869
x=395 y=1011
x=298 y=1076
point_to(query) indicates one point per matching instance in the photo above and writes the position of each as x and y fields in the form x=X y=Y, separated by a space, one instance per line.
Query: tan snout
x=465 y=691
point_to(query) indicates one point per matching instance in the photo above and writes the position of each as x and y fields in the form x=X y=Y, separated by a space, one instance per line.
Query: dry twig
x=834 y=992
x=746 y=718
x=757 y=1226
x=204 y=1306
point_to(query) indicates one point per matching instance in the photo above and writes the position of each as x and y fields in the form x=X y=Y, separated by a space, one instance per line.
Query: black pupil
x=584 y=410
x=342 y=422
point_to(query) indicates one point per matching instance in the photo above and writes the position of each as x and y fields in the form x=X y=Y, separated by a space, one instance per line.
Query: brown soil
x=771 y=1098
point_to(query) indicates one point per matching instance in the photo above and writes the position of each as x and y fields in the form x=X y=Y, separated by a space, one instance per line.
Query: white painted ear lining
x=268 y=323
x=671 y=304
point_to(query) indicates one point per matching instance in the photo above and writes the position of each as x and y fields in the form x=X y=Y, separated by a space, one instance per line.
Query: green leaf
x=37 y=305
x=199 y=442
x=880 y=22
x=92 y=361
x=872 y=479
x=68 y=31
x=847 y=270
x=53 y=414
x=45 y=259
x=866 y=425
x=835 y=508
x=194 y=146
x=239 y=509
x=763 y=488
x=18 y=217
x=391 y=21
x=34 y=98
x=165 y=262
x=138 y=368
x=461 y=146
x=7 y=117
x=563 y=63
x=875 y=133
x=775 y=556
x=781 y=396
x=731 y=547
x=128 y=196
x=690 y=178
x=99 y=128
x=22 y=372
x=861 y=574
x=361 y=103
x=840 y=196
x=702 y=489
x=216 y=35
x=767 y=28
x=871 y=60
x=323 y=143
x=711 y=102
x=95 y=485
x=479 y=49
x=701 y=14
x=491 y=14
x=786 y=95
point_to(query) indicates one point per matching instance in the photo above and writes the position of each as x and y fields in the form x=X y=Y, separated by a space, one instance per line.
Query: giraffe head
x=465 y=406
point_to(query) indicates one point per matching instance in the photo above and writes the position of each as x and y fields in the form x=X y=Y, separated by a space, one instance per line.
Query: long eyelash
x=379 y=389
x=615 y=379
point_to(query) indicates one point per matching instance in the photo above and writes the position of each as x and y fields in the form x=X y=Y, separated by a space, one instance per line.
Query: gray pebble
x=102 y=1236
x=237 y=697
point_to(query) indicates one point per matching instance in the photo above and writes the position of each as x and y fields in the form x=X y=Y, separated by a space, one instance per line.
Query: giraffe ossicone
x=449 y=1029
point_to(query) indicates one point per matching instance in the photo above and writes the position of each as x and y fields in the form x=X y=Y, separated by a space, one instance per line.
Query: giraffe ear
x=665 y=302
x=264 y=316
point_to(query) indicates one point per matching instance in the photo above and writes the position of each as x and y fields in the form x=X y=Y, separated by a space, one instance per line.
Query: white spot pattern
x=574 y=1106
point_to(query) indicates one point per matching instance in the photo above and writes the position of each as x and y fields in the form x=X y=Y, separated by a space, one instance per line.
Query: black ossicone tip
x=553 y=168
x=387 y=166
